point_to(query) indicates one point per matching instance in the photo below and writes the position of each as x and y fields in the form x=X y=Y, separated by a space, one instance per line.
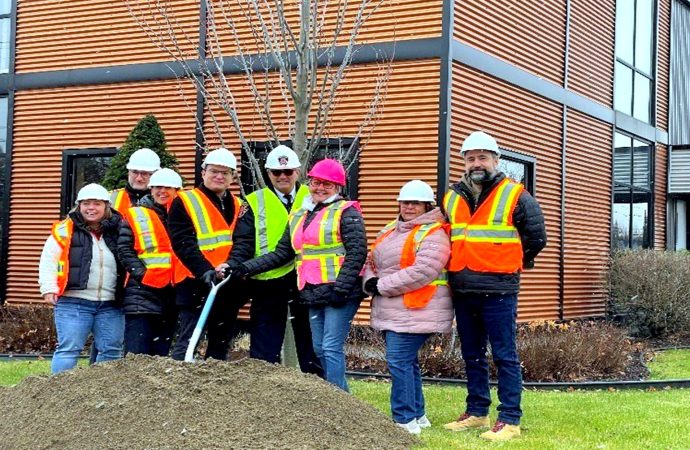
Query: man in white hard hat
x=258 y=233
x=497 y=229
x=201 y=223
x=140 y=167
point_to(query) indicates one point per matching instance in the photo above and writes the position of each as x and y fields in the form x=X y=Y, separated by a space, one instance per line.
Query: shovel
x=189 y=355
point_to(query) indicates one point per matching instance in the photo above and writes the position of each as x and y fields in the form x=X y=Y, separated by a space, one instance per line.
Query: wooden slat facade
x=664 y=64
x=530 y=35
x=523 y=122
x=590 y=55
x=587 y=239
x=48 y=121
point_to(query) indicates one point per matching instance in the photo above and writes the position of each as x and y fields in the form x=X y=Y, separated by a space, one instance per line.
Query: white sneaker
x=412 y=427
x=423 y=422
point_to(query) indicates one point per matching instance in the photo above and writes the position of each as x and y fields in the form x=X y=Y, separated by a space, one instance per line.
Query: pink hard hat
x=328 y=170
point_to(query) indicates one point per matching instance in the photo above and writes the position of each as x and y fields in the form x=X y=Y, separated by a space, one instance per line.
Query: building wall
x=663 y=67
x=660 y=189
x=527 y=124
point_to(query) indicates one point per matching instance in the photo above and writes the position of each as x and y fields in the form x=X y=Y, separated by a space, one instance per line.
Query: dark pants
x=150 y=334
x=268 y=319
x=490 y=317
x=220 y=323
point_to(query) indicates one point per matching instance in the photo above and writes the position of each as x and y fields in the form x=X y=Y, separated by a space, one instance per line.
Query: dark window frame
x=261 y=149
x=69 y=156
x=530 y=163
x=5 y=213
x=633 y=190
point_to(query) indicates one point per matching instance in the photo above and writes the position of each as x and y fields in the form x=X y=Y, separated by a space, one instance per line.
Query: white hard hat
x=165 y=177
x=93 y=191
x=479 y=141
x=220 y=157
x=416 y=190
x=144 y=159
x=282 y=157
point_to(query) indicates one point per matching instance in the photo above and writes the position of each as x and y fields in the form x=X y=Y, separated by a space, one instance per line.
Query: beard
x=479 y=176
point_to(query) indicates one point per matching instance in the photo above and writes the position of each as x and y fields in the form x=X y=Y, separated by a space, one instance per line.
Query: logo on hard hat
x=283 y=160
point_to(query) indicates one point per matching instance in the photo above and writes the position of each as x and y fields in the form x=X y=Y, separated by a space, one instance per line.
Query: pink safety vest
x=318 y=247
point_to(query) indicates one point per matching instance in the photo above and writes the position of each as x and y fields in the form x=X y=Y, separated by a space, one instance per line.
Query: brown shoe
x=468 y=422
x=501 y=432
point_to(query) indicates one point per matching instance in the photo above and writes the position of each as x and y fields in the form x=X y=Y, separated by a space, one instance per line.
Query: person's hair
x=96 y=227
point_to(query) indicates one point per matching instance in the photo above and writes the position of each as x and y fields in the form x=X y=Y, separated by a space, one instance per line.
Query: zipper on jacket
x=100 y=274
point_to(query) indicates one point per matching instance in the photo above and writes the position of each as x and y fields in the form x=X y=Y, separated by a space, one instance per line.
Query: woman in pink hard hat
x=327 y=241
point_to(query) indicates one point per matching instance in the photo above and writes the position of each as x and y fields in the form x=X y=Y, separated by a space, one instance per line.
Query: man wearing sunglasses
x=273 y=292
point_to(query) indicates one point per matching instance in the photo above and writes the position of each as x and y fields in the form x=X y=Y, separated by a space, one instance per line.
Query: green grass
x=670 y=364
x=12 y=372
x=620 y=420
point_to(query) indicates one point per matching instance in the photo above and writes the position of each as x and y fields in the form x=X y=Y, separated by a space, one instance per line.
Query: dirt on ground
x=145 y=402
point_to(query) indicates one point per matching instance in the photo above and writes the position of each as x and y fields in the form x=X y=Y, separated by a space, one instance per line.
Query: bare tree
x=292 y=56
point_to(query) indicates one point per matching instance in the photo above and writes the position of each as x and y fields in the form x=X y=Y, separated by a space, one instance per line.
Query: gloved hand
x=209 y=277
x=138 y=273
x=237 y=272
x=338 y=297
x=371 y=286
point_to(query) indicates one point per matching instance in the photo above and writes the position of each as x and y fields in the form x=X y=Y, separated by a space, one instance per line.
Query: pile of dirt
x=145 y=402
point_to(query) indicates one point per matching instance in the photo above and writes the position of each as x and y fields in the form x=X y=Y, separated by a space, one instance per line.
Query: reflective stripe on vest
x=486 y=241
x=62 y=232
x=213 y=233
x=421 y=297
x=152 y=245
x=318 y=248
x=119 y=200
x=270 y=220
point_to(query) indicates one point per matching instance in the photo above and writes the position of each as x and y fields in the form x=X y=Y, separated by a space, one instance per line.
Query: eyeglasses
x=279 y=172
x=141 y=173
x=411 y=203
x=316 y=183
x=215 y=172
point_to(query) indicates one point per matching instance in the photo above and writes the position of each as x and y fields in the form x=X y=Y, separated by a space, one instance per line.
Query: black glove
x=138 y=273
x=371 y=286
x=338 y=297
x=209 y=277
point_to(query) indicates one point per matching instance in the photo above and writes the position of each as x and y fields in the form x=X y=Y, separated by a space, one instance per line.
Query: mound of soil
x=145 y=402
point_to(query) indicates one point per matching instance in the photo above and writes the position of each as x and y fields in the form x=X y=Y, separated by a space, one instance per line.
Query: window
x=634 y=73
x=518 y=167
x=81 y=167
x=331 y=148
x=4 y=191
x=632 y=193
x=5 y=35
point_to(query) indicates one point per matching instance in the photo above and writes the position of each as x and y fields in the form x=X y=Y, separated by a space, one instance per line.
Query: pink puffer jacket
x=388 y=311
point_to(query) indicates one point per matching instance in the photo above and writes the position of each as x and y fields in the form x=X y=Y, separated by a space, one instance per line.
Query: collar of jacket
x=435 y=215
x=147 y=201
x=487 y=186
x=309 y=205
x=108 y=224
x=134 y=194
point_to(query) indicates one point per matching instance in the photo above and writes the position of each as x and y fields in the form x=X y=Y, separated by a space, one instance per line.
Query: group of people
x=133 y=267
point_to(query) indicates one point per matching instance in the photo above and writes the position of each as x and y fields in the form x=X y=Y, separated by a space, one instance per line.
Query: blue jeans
x=492 y=317
x=407 y=399
x=75 y=319
x=330 y=326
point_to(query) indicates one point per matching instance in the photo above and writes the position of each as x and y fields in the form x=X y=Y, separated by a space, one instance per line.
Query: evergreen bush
x=147 y=133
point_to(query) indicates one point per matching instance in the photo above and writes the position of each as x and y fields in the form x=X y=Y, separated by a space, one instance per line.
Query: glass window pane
x=625 y=23
x=641 y=165
x=622 y=94
x=643 y=36
x=640 y=220
x=5 y=6
x=621 y=159
x=4 y=183
x=4 y=45
x=3 y=125
x=88 y=169
x=513 y=169
x=621 y=218
x=643 y=90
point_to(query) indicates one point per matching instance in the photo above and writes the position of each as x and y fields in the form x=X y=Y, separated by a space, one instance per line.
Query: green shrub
x=649 y=292
x=147 y=133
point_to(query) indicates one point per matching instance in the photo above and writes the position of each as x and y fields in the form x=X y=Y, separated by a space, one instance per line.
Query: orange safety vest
x=486 y=241
x=62 y=232
x=152 y=243
x=213 y=233
x=119 y=200
x=421 y=297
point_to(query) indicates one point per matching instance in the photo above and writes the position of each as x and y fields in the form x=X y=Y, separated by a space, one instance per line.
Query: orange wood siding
x=530 y=35
x=403 y=146
x=49 y=121
x=528 y=124
x=66 y=34
x=663 y=68
x=660 y=188
x=590 y=65
x=588 y=215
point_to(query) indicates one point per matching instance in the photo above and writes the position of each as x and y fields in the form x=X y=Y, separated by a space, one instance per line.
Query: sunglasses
x=279 y=172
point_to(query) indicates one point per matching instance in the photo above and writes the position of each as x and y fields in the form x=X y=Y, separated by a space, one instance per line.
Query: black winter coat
x=529 y=221
x=81 y=252
x=139 y=298
x=135 y=195
x=348 y=285
x=183 y=235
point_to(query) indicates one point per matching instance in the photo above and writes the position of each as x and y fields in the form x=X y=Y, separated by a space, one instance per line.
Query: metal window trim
x=5 y=214
x=68 y=157
x=444 y=104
